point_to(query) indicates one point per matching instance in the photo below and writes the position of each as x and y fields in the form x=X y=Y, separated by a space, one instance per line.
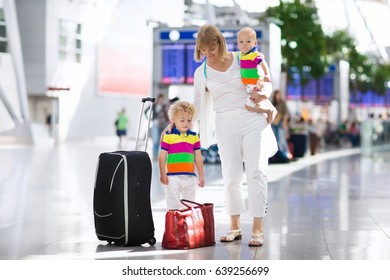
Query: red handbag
x=189 y=228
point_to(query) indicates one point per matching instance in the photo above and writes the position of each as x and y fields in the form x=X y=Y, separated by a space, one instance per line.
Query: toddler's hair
x=181 y=107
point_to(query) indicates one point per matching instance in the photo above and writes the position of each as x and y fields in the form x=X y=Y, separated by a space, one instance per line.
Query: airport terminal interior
x=64 y=78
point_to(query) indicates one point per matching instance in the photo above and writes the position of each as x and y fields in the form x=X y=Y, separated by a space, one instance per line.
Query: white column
x=15 y=49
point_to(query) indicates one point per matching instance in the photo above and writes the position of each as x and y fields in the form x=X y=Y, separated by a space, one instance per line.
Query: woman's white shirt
x=226 y=88
x=226 y=92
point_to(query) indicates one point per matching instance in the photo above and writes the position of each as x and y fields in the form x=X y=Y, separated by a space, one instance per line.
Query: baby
x=250 y=59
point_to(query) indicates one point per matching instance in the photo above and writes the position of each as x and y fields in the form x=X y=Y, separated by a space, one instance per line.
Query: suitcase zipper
x=113 y=175
x=125 y=195
x=126 y=202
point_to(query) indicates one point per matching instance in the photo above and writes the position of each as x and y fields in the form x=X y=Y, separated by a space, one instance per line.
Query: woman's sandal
x=235 y=234
x=257 y=240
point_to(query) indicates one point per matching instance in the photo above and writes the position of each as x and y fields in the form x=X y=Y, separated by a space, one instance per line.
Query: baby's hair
x=248 y=30
x=181 y=107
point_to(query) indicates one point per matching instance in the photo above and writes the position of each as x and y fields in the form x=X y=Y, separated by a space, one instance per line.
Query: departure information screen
x=173 y=63
x=320 y=90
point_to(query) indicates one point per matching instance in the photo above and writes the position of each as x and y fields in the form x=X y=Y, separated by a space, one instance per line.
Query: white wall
x=93 y=112
x=84 y=111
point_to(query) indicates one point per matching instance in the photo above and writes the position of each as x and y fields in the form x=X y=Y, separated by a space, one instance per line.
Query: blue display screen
x=315 y=90
x=173 y=64
x=191 y=64
x=310 y=91
x=326 y=87
x=294 y=88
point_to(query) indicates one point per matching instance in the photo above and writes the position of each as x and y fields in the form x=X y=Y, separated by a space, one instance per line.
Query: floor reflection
x=322 y=207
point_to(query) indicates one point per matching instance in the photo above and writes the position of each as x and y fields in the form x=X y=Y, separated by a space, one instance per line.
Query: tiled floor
x=334 y=205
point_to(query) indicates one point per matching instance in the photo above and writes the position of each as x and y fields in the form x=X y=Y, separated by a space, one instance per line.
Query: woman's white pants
x=242 y=138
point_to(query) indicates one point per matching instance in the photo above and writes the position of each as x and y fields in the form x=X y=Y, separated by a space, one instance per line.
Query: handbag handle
x=189 y=201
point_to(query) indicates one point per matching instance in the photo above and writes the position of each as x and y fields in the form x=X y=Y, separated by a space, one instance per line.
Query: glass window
x=2 y=14
x=3 y=47
x=3 y=32
x=78 y=58
x=62 y=56
x=63 y=41
x=67 y=26
x=63 y=26
x=78 y=44
x=78 y=30
x=70 y=44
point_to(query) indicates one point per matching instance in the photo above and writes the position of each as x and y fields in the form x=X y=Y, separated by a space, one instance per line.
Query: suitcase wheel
x=152 y=241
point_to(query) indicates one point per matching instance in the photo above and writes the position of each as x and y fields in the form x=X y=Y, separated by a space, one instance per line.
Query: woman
x=220 y=102
x=280 y=123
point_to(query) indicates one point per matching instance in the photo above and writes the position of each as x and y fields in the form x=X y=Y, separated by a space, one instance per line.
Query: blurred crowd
x=297 y=134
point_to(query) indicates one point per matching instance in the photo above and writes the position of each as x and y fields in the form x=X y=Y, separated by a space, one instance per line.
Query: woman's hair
x=181 y=107
x=209 y=36
x=274 y=100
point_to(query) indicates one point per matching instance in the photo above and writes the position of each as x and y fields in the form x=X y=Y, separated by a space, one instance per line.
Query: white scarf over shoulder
x=205 y=115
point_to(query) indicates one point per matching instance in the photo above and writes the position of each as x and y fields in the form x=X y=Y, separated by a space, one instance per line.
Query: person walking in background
x=179 y=154
x=354 y=133
x=250 y=59
x=280 y=123
x=224 y=118
x=313 y=137
x=166 y=106
x=160 y=121
x=121 y=125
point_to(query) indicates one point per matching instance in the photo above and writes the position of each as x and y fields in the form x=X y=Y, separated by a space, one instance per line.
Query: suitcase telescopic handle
x=151 y=100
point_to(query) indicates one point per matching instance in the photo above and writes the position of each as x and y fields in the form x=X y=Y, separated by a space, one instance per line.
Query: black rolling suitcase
x=121 y=201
